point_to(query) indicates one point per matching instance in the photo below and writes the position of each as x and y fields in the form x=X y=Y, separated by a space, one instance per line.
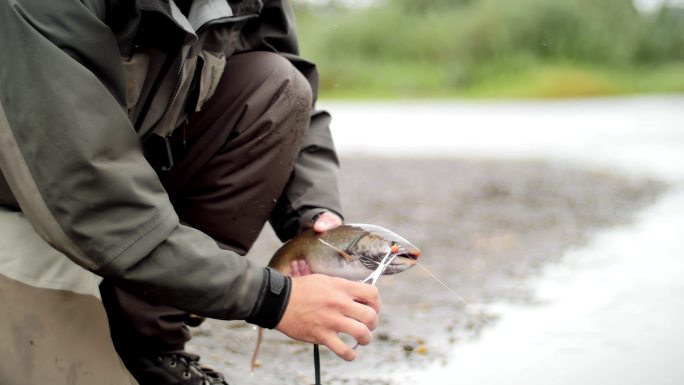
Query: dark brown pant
x=232 y=161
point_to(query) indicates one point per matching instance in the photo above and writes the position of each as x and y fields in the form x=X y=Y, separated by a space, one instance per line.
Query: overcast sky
x=650 y=5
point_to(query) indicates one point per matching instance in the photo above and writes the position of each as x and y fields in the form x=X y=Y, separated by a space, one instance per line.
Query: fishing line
x=468 y=305
x=327 y=244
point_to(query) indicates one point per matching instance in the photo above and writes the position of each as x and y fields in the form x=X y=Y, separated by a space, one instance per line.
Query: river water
x=611 y=311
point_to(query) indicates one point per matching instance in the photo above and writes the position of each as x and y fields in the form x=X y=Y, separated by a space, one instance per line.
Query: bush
x=460 y=41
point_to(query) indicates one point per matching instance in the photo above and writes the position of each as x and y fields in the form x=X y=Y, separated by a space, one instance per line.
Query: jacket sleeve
x=313 y=186
x=74 y=163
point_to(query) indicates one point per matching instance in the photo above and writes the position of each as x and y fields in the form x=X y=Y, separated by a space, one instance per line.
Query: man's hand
x=320 y=307
x=326 y=221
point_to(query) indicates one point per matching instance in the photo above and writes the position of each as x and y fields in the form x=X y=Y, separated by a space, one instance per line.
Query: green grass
x=396 y=80
x=568 y=81
x=382 y=79
x=494 y=49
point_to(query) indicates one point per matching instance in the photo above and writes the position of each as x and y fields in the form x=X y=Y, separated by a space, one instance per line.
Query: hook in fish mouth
x=405 y=259
x=402 y=258
x=410 y=254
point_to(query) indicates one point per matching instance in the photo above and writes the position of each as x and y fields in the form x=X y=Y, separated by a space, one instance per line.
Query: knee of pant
x=293 y=88
x=300 y=91
x=301 y=87
x=281 y=71
x=267 y=82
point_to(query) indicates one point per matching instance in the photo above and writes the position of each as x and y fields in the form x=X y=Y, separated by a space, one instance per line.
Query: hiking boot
x=172 y=368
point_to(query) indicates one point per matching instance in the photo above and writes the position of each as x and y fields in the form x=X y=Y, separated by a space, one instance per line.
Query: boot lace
x=192 y=368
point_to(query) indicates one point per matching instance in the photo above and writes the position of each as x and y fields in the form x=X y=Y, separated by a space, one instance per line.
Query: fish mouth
x=401 y=262
x=402 y=258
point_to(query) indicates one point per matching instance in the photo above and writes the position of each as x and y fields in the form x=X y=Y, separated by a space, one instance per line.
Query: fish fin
x=339 y=251
x=344 y=255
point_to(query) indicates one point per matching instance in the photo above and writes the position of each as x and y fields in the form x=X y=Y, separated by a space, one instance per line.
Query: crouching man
x=150 y=141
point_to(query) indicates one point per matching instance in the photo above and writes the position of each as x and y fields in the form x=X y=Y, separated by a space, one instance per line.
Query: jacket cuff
x=274 y=296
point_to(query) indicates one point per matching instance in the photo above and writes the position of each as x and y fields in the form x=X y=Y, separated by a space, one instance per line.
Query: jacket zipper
x=179 y=78
x=176 y=87
x=203 y=27
x=153 y=91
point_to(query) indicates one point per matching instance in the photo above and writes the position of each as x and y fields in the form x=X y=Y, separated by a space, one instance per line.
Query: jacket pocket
x=213 y=64
x=136 y=68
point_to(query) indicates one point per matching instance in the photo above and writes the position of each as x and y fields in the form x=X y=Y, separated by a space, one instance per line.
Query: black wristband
x=272 y=300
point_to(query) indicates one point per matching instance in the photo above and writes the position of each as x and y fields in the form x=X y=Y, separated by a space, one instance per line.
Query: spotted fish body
x=349 y=251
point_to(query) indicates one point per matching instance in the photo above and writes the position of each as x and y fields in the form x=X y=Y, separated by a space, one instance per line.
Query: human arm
x=73 y=161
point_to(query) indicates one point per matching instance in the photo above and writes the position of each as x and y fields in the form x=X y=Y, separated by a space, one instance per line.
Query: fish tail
x=257 y=348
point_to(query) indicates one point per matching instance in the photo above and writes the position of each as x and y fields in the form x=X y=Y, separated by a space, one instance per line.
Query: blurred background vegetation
x=492 y=48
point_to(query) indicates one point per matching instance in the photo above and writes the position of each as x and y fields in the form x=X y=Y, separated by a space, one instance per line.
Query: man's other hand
x=326 y=221
x=321 y=306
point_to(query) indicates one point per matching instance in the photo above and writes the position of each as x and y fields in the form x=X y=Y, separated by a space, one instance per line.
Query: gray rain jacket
x=82 y=83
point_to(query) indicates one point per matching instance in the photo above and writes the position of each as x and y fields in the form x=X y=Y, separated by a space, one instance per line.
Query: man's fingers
x=334 y=343
x=326 y=221
x=364 y=293
x=294 y=269
x=304 y=268
x=299 y=268
x=362 y=313
x=321 y=307
x=357 y=330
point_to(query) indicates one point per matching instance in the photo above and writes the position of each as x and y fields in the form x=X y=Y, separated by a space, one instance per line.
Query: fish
x=351 y=251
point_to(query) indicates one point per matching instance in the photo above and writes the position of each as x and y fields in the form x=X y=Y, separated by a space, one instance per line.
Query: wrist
x=272 y=301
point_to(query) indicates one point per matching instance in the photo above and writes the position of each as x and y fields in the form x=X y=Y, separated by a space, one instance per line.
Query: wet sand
x=487 y=229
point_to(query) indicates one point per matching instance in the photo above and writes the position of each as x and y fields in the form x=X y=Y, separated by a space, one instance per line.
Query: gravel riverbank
x=487 y=229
